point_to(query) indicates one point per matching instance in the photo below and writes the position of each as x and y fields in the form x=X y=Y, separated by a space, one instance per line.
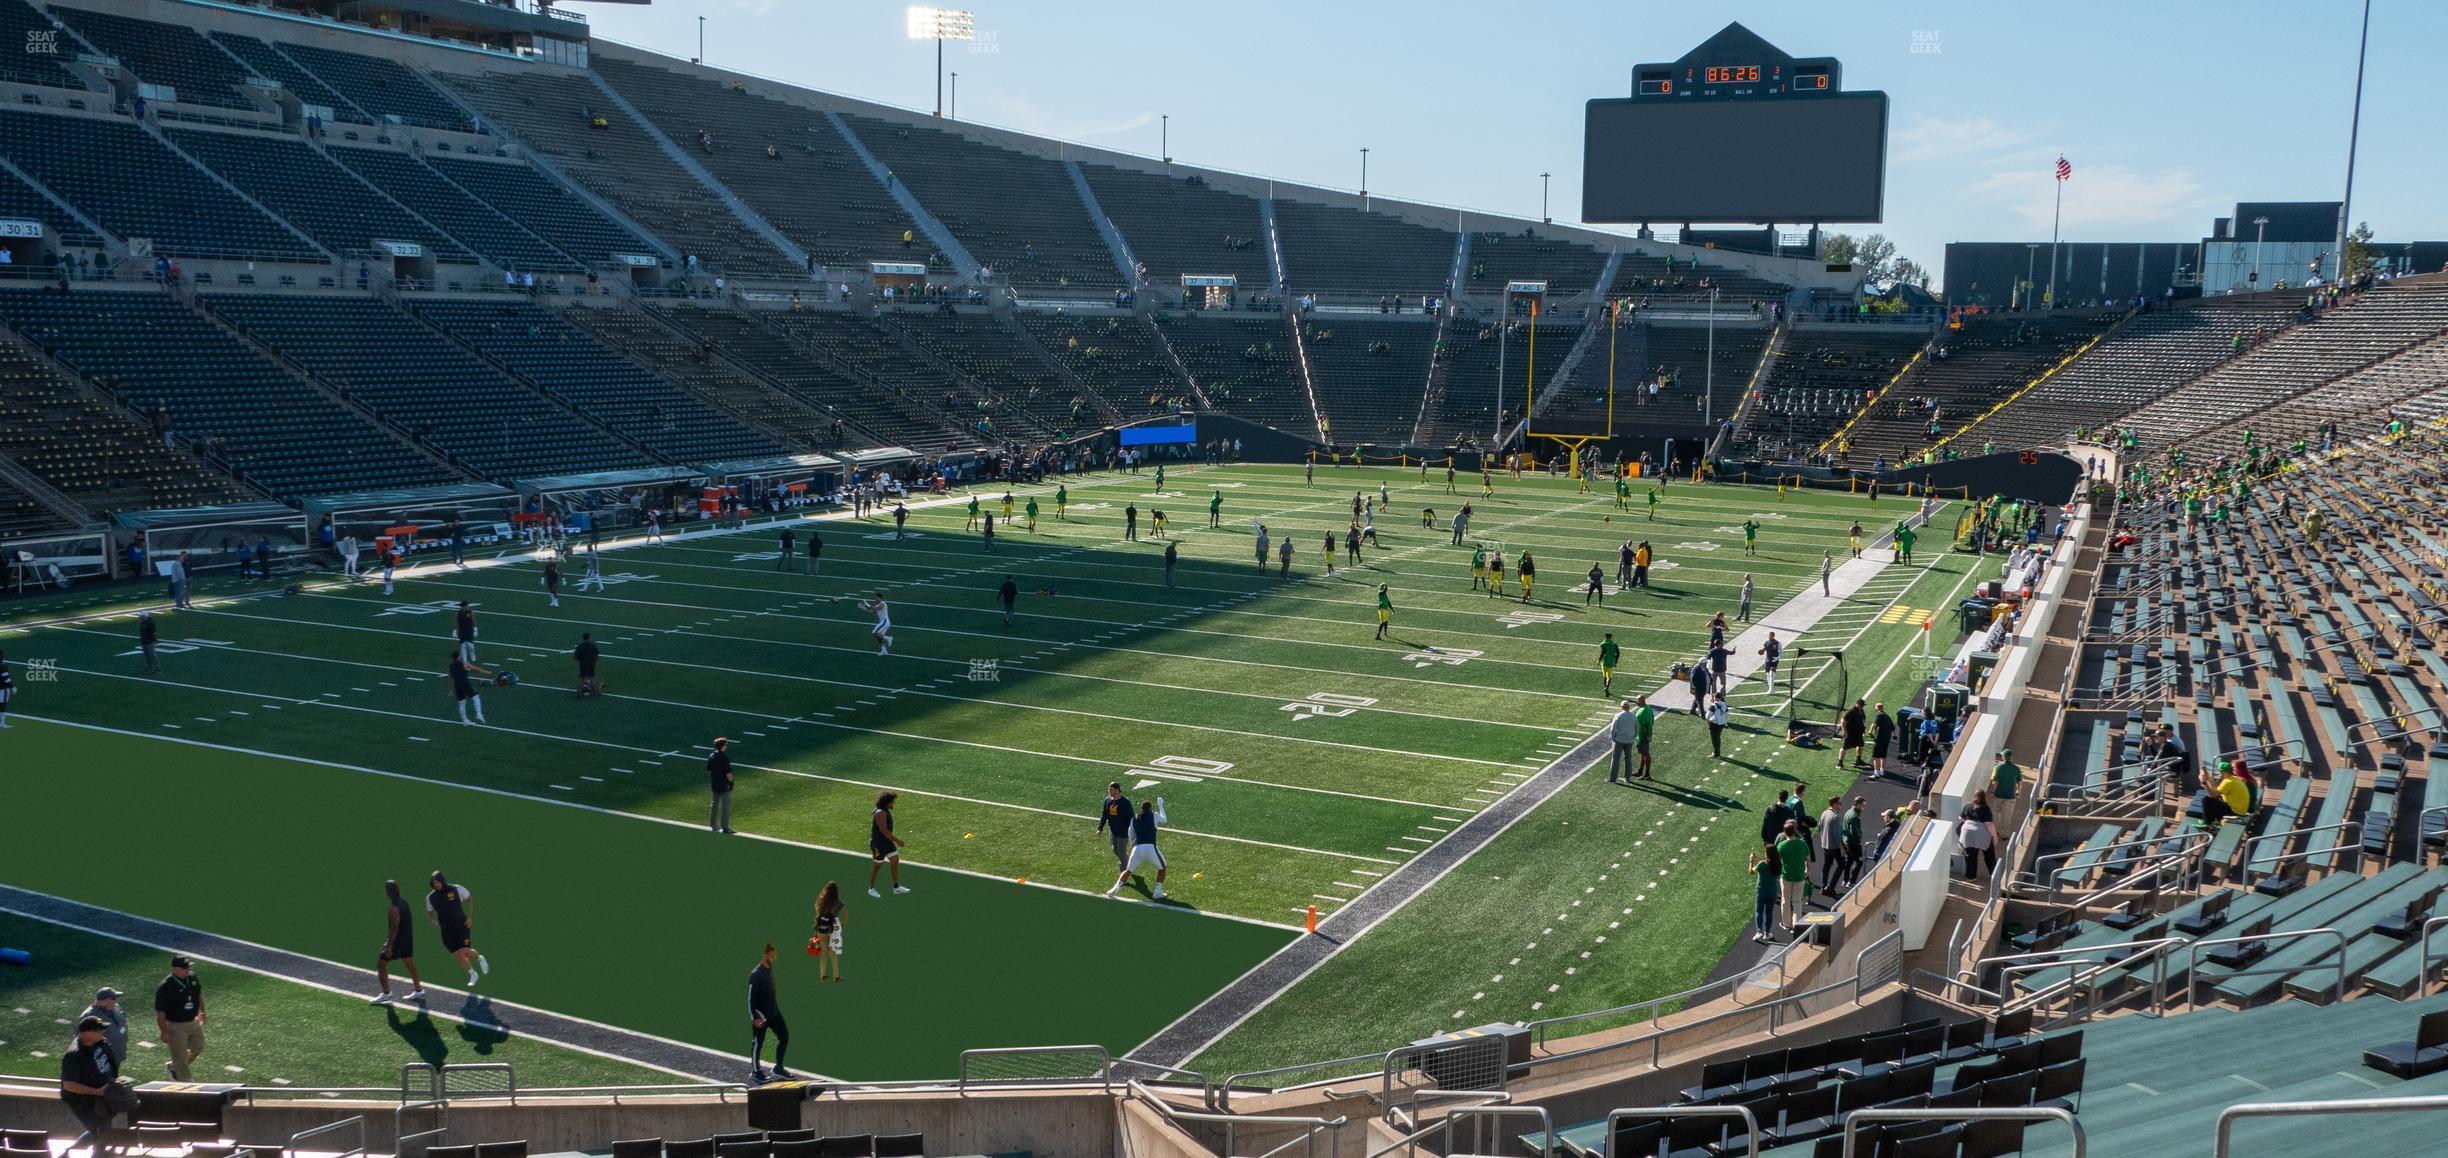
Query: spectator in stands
x=1772 y=822
x=1894 y=823
x=1793 y=852
x=114 y=1029
x=1850 y=827
x=1976 y=831
x=1830 y=838
x=87 y=1069
x=2005 y=778
x=1764 y=872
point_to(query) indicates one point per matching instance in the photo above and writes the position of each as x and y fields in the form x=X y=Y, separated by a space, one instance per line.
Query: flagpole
x=2055 y=217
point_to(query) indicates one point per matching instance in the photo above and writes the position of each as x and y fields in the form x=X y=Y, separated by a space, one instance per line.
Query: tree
x=1873 y=257
x=2361 y=255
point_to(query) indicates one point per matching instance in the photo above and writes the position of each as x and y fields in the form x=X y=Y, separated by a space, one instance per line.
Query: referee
x=1114 y=820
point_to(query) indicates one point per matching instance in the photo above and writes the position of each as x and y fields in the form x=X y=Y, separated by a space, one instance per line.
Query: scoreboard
x=1736 y=131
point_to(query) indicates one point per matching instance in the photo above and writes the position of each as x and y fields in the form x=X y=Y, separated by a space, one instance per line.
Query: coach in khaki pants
x=178 y=1012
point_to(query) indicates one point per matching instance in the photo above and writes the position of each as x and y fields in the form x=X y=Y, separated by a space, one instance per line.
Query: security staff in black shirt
x=586 y=654
x=178 y=1013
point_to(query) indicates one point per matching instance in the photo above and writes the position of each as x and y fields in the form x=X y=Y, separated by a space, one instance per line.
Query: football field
x=298 y=749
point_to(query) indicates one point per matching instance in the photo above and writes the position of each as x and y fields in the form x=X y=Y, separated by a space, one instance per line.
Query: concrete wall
x=1065 y=1122
x=1932 y=857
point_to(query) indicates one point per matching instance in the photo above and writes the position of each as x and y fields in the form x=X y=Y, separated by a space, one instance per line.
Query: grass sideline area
x=1606 y=895
x=263 y=1030
x=1300 y=757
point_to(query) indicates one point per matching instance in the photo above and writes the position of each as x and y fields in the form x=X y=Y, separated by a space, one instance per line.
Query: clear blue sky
x=2170 y=112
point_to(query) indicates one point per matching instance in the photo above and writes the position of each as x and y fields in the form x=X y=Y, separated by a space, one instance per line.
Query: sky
x=2170 y=112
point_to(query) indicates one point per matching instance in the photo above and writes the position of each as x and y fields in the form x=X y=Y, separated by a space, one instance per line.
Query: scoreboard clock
x=1737 y=131
x=1737 y=63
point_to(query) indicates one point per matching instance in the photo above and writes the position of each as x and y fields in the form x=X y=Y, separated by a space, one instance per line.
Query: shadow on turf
x=480 y=1030
x=1692 y=796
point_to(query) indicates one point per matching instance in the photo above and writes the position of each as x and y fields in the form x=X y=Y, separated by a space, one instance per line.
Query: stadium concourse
x=529 y=560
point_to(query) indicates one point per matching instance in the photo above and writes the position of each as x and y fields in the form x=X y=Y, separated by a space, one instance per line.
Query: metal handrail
x=1176 y=1116
x=1545 y=1120
x=2231 y=1115
x=2032 y=877
x=2422 y=980
x=1893 y=970
x=1955 y=982
x=1750 y=1121
x=2069 y=958
x=1221 y=1094
x=356 y=1122
x=509 y=1074
x=1655 y=1006
x=1411 y=1140
x=1656 y=1041
x=2082 y=1143
x=2340 y=849
x=1104 y=1066
x=2192 y=969
x=2158 y=868
x=400 y=1135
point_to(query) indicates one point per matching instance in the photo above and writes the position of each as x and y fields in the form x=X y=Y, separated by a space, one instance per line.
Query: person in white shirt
x=883 y=623
x=1831 y=845
x=1143 y=849
x=348 y=556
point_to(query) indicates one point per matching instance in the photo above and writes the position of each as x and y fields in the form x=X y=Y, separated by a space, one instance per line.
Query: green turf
x=1106 y=674
x=651 y=927
x=1603 y=896
x=261 y=1030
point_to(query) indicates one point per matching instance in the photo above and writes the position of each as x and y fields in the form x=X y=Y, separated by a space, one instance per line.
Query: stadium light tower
x=1708 y=372
x=953 y=113
x=1364 y=178
x=2260 y=229
x=939 y=25
x=2031 y=255
x=1164 y=140
x=1544 y=219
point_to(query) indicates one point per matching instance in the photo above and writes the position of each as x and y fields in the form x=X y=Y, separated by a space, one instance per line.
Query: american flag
x=2065 y=169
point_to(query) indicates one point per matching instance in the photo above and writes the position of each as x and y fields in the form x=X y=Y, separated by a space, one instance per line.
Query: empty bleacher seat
x=811 y=186
x=2426 y=1054
x=556 y=116
x=115 y=173
x=151 y=351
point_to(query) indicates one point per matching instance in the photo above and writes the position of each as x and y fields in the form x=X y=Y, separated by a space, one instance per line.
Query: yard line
x=636 y=816
x=1123 y=764
x=1180 y=657
x=157 y=682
